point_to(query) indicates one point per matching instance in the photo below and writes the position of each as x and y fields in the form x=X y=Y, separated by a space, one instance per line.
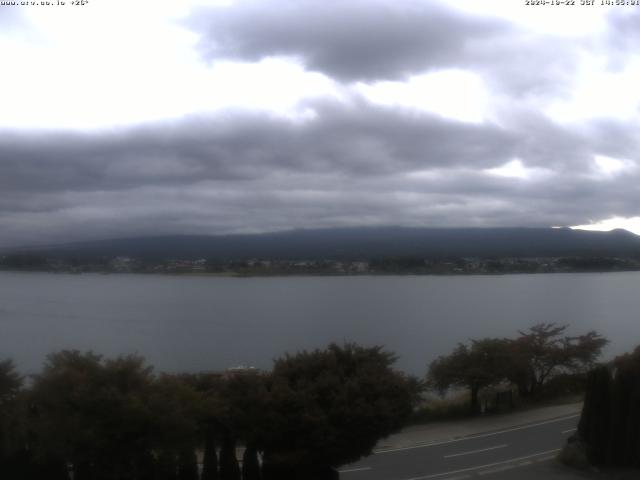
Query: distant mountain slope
x=363 y=243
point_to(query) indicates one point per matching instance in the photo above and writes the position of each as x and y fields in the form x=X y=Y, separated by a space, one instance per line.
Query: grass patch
x=435 y=408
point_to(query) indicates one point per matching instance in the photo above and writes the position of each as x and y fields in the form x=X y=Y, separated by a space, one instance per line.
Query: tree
x=207 y=386
x=544 y=351
x=210 y=457
x=475 y=366
x=229 y=468
x=610 y=421
x=243 y=401
x=187 y=464
x=624 y=439
x=330 y=407
x=64 y=411
x=596 y=414
x=12 y=420
x=250 y=464
x=108 y=417
x=175 y=406
x=10 y=382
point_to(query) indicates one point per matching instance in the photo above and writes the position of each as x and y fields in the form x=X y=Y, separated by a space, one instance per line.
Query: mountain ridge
x=355 y=243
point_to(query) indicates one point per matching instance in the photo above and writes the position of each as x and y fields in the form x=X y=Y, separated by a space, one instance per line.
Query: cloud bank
x=386 y=140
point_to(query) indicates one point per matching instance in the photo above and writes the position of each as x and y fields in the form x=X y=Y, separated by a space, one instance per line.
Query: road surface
x=506 y=453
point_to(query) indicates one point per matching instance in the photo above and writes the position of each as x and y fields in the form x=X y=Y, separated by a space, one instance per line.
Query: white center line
x=569 y=431
x=472 y=437
x=497 y=469
x=480 y=467
x=475 y=451
x=355 y=470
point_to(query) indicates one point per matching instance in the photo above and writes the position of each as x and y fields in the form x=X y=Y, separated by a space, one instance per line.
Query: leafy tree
x=175 y=406
x=475 y=366
x=107 y=417
x=10 y=382
x=12 y=421
x=529 y=361
x=544 y=351
x=209 y=427
x=243 y=402
x=64 y=399
x=330 y=407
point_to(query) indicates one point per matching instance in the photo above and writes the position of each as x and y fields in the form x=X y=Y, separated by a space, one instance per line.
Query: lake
x=191 y=323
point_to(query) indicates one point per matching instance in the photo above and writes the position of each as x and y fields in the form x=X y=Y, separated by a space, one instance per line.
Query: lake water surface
x=201 y=323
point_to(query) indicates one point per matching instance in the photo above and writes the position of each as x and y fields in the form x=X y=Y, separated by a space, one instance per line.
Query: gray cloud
x=350 y=40
x=365 y=40
x=624 y=30
x=9 y=15
x=356 y=140
x=353 y=164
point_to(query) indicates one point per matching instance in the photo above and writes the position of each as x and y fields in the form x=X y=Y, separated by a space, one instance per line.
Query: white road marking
x=569 y=431
x=476 y=451
x=480 y=467
x=473 y=437
x=497 y=470
x=545 y=459
x=355 y=470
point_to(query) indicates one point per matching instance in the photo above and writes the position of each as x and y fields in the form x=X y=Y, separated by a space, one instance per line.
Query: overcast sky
x=134 y=117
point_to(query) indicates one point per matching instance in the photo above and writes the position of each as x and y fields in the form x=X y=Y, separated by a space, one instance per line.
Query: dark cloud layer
x=370 y=40
x=625 y=30
x=9 y=15
x=351 y=40
x=352 y=165
x=349 y=140
x=351 y=162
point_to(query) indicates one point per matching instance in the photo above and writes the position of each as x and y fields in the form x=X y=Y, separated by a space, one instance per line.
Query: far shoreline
x=315 y=275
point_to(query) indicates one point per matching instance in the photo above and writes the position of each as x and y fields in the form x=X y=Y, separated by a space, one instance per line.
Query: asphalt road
x=510 y=453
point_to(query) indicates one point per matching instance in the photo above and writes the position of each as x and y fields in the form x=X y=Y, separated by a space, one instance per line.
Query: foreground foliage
x=114 y=419
x=610 y=421
x=330 y=407
x=528 y=362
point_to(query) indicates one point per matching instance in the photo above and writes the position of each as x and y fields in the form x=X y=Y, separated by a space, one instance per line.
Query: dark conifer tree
x=167 y=468
x=52 y=469
x=276 y=471
x=595 y=419
x=187 y=464
x=229 y=468
x=145 y=467
x=610 y=422
x=210 y=459
x=250 y=464
x=625 y=417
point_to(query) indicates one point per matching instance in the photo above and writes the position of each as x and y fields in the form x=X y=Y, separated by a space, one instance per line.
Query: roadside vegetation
x=608 y=434
x=541 y=363
x=88 y=417
x=114 y=419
